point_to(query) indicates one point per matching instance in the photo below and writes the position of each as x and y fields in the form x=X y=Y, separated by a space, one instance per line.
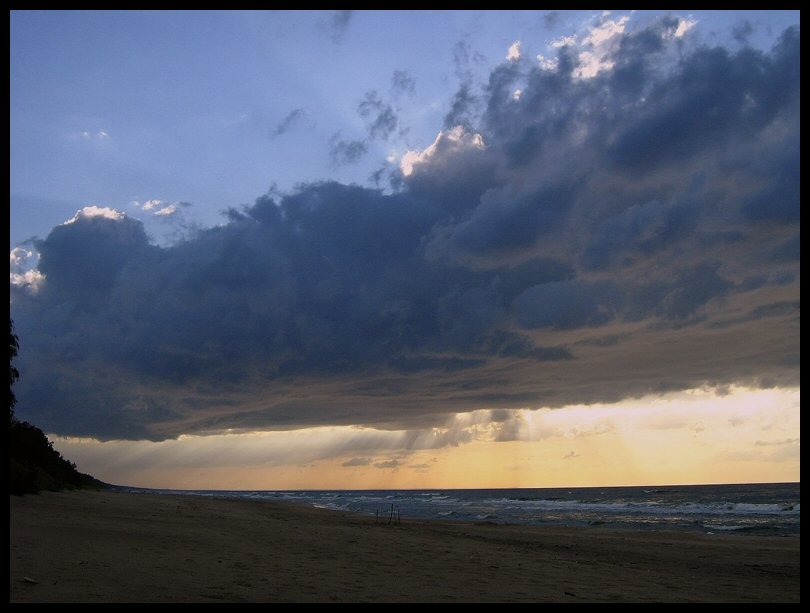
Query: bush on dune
x=35 y=465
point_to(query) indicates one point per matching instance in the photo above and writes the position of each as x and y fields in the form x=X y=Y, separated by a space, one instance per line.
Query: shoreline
x=111 y=546
x=603 y=526
x=413 y=507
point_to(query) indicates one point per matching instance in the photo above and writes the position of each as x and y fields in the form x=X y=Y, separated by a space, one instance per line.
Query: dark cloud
x=776 y=309
x=97 y=248
x=381 y=119
x=293 y=117
x=340 y=24
x=458 y=174
x=357 y=462
x=588 y=241
x=343 y=152
x=640 y=231
x=742 y=31
x=512 y=428
x=689 y=112
x=564 y=305
x=552 y=18
x=787 y=441
x=789 y=251
x=464 y=59
x=505 y=222
x=462 y=108
x=402 y=83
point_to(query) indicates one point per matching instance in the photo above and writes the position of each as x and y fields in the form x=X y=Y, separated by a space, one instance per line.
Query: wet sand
x=119 y=547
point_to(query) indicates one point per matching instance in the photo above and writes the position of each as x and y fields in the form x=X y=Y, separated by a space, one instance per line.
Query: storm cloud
x=590 y=240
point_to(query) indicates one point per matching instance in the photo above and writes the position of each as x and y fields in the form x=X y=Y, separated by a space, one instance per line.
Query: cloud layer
x=602 y=235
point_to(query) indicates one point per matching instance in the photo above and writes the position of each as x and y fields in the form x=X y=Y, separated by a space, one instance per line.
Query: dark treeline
x=34 y=464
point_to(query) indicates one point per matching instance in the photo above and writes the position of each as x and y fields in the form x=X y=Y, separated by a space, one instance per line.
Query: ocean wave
x=759 y=529
x=650 y=506
x=752 y=509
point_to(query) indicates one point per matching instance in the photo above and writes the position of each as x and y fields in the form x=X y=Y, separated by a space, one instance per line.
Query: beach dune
x=89 y=546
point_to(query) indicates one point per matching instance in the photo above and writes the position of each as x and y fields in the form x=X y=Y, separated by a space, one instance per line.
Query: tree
x=13 y=373
x=34 y=464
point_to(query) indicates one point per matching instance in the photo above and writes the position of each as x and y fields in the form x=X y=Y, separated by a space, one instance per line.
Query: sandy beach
x=115 y=547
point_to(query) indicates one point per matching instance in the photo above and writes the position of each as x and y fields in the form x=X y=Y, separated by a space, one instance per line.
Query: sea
x=772 y=509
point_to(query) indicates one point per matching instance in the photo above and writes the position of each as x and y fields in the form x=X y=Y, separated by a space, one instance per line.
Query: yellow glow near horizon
x=691 y=437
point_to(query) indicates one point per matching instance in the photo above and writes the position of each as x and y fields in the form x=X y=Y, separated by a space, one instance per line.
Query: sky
x=408 y=249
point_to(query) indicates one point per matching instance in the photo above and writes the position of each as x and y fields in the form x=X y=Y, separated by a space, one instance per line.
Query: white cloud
x=95 y=211
x=20 y=255
x=516 y=95
x=601 y=34
x=450 y=141
x=684 y=26
x=23 y=264
x=151 y=204
x=161 y=208
x=547 y=63
x=410 y=158
x=166 y=211
x=514 y=52
x=597 y=45
x=30 y=279
x=563 y=41
x=89 y=135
